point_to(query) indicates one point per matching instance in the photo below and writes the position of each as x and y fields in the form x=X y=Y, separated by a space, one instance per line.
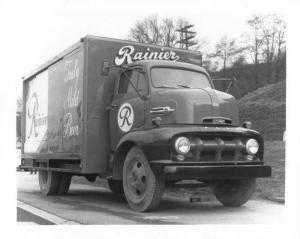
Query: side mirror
x=18 y=144
x=247 y=124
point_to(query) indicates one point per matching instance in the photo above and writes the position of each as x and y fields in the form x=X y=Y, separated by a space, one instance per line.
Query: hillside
x=265 y=108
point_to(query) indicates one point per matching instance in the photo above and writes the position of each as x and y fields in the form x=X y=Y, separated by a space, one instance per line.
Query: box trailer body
x=140 y=115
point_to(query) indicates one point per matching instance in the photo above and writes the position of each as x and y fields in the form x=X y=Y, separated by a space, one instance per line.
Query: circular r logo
x=125 y=117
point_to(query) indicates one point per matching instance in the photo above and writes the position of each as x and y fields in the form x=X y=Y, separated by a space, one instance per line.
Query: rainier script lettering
x=127 y=55
x=32 y=114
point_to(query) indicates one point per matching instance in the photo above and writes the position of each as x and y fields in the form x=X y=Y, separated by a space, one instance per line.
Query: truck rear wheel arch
x=119 y=158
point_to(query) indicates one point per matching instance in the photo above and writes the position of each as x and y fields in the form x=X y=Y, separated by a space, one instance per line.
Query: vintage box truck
x=142 y=116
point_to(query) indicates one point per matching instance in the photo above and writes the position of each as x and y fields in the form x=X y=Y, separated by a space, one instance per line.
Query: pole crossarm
x=186 y=36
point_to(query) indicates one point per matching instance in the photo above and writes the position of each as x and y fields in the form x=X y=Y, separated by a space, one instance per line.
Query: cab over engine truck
x=143 y=117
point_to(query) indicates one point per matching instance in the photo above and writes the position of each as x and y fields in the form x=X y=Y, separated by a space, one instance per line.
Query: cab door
x=127 y=108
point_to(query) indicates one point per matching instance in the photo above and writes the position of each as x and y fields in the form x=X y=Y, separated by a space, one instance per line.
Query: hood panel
x=192 y=105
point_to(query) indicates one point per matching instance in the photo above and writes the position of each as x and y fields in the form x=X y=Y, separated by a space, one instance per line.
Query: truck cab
x=168 y=124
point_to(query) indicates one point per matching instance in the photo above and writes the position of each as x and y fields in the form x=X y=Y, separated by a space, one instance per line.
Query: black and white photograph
x=162 y=114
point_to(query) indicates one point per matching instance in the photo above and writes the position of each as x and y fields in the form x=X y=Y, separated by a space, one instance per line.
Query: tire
x=116 y=186
x=234 y=193
x=49 y=182
x=64 y=183
x=143 y=190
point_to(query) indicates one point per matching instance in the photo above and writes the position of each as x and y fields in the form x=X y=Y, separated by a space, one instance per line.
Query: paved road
x=25 y=217
x=87 y=204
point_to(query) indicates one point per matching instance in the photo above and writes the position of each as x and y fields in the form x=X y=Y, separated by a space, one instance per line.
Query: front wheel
x=142 y=188
x=235 y=193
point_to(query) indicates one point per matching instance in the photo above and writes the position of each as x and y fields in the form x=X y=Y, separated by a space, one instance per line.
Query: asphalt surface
x=91 y=205
x=28 y=218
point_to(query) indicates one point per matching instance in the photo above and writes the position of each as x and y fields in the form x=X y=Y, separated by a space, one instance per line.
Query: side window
x=141 y=83
x=124 y=82
x=136 y=78
x=134 y=81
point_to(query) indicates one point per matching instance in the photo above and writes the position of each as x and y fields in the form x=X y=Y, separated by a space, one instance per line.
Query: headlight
x=252 y=146
x=182 y=145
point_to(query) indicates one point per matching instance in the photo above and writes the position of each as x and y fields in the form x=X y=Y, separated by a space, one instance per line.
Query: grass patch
x=266 y=109
x=273 y=187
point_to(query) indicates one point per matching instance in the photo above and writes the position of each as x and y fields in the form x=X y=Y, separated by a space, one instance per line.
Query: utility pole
x=186 y=37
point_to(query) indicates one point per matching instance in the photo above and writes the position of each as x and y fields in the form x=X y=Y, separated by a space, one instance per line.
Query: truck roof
x=83 y=39
x=139 y=43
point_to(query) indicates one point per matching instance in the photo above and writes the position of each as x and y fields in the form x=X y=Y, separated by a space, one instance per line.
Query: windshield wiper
x=184 y=86
x=168 y=86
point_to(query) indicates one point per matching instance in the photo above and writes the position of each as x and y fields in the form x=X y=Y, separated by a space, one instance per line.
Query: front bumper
x=212 y=172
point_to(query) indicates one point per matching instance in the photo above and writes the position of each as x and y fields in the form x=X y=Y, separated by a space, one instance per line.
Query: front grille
x=217 y=149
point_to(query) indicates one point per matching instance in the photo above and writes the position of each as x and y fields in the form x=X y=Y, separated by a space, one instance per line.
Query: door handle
x=161 y=110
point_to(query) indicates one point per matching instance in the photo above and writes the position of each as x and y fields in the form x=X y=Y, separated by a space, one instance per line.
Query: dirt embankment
x=266 y=109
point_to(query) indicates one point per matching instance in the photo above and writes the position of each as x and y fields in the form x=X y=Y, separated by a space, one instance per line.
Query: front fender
x=155 y=143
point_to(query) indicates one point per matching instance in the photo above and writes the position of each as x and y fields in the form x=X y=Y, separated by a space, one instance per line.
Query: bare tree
x=210 y=64
x=268 y=29
x=168 y=32
x=225 y=49
x=267 y=41
x=153 y=31
x=256 y=39
x=281 y=29
x=273 y=29
x=146 y=31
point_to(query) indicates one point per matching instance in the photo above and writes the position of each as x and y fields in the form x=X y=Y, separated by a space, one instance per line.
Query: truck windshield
x=163 y=77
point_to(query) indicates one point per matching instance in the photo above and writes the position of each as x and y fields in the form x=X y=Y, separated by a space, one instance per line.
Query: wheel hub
x=137 y=179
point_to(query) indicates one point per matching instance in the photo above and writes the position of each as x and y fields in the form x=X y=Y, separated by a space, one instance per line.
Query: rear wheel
x=235 y=193
x=142 y=188
x=49 y=182
x=64 y=183
x=116 y=186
